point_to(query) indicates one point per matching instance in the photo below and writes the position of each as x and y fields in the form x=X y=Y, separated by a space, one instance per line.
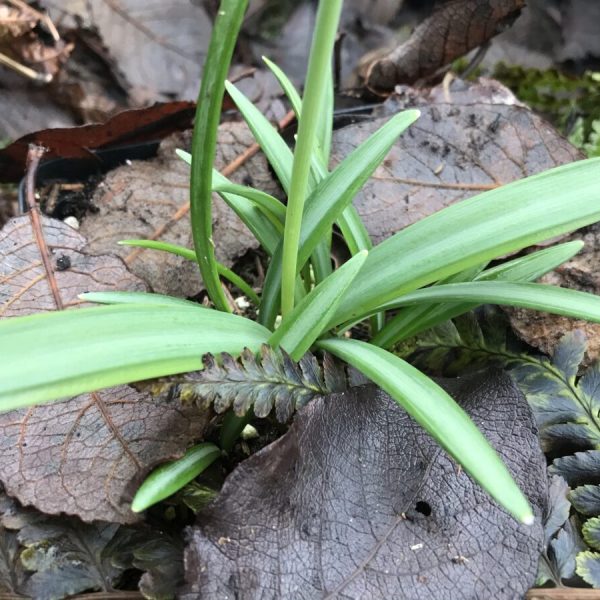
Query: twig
x=23 y=70
x=478 y=187
x=34 y=156
x=228 y=170
x=563 y=594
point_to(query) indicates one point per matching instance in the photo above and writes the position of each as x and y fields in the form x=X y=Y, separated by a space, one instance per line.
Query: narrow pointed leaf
x=171 y=477
x=191 y=255
x=474 y=231
x=287 y=86
x=317 y=75
x=417 y=318
x=272 y=144
x=137 y=298
x=61 y=354
x=272 y=208
x=547 y=298
x=204 y=141
x=328 y=201
x=437 y=413
x=264 y=231
x=300 y=328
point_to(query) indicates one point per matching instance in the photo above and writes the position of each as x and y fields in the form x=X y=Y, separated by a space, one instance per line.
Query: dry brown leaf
x=157 y=44
x=475 y=139
x=356 y=501
x=454 y=28
x=24 y=286
x=136 y=200
x=83 y=456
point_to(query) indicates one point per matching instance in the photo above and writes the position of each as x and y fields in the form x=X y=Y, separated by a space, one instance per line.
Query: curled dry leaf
x=128 y=127
x=357 y=501
x=83 y=456
x=454 y=29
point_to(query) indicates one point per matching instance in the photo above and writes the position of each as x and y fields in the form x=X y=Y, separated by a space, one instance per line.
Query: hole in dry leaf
x=423 y=507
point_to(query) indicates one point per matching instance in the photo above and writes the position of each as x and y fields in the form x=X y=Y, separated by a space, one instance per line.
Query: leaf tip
x=528 y=519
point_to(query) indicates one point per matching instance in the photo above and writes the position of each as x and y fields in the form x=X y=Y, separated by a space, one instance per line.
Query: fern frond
x=271 y=381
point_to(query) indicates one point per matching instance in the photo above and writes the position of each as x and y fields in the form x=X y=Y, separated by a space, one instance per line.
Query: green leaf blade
x=536 y=296
x=476 y=230
x=415 y=319
x=300 y=328
x=171 y=477
x=62 y=354
x=437 y=412
x=329 y=200
x=204 y=141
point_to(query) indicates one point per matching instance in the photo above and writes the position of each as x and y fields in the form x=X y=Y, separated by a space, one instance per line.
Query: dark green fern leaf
x=271 y=381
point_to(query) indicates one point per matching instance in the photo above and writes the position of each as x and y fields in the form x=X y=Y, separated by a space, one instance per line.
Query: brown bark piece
x=84 y=456
x=454 y=29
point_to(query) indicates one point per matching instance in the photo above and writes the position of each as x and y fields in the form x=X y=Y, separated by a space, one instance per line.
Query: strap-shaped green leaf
x=417 y=318
x=137 y=298
x=547 y=298
x=204 y=141
x=300 y=328
x=188 y=255
x=61 y=354
x=328 y=201
x=474 y=231
x=437 y=413
x=172 y=476
x=267 y=234
x=272 y=144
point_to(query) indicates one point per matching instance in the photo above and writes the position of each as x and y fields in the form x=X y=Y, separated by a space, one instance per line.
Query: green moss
x=572 y=104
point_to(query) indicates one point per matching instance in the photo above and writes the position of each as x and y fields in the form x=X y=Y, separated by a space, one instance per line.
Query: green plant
x=148 y=336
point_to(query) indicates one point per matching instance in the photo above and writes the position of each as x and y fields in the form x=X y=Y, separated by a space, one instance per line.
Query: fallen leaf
x=453 y=29
x=137 y=200
x=357 y=501
x=158 y=45
x=24 y=285
x=25 y=107
x=83 y=456
x=126 y=128
x=476 y=139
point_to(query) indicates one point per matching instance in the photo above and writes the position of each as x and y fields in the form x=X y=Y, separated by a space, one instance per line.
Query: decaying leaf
x=475 y=139
x=357 y=501
x=83 y=456
x=50 y=558
x=128 y=127
x=158 y=45
x=273 y=381
x=137 y=200
x=24 y=285
x=453 y=29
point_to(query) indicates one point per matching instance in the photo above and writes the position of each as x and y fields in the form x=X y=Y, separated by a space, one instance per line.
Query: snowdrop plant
x=429 y=272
